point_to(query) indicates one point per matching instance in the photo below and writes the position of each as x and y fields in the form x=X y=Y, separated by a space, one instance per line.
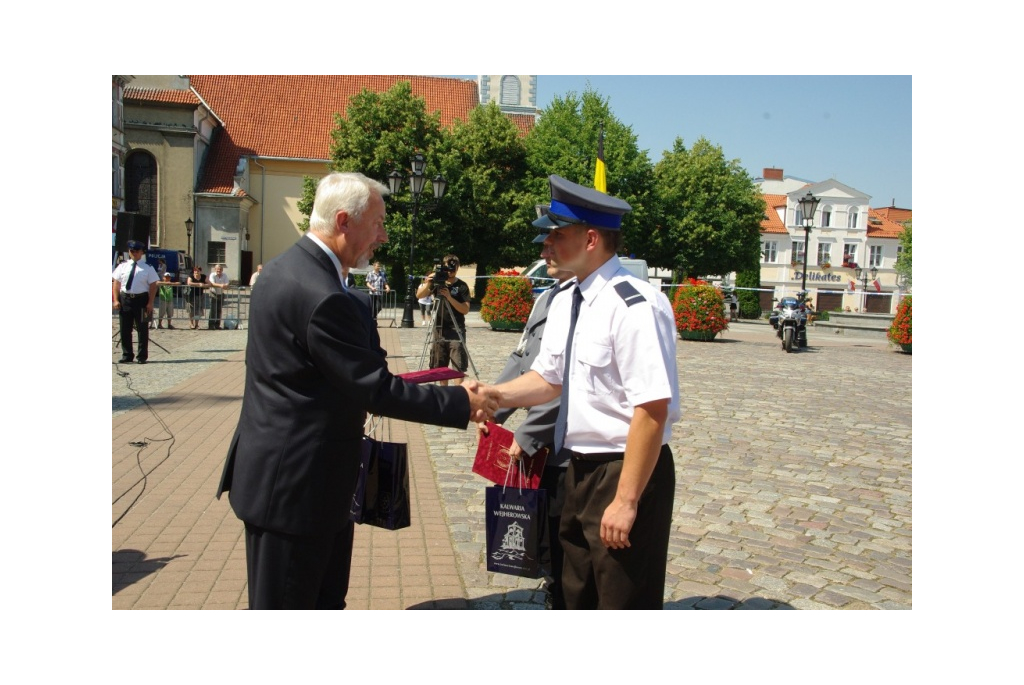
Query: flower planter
x=507 y=326
x=508 y=302
x=703 y=336
x=905 y=347
x=699 y=310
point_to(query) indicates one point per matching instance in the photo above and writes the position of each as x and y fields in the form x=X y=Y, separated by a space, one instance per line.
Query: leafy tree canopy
x=712 y=211
x=564 y=142
x=904 y=263
x=488 y=162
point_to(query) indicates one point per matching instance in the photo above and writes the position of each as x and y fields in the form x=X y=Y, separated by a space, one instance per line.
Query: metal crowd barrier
x=234 y=308
x=388 y=307
x=233 y=311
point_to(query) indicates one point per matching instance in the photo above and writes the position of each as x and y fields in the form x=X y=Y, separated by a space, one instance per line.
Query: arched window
x=510 y=88
x=140 y=188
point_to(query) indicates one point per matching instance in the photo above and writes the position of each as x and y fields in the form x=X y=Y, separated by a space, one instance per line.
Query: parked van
x=177 y=262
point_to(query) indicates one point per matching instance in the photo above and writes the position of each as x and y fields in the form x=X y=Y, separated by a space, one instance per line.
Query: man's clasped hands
x=483 y=400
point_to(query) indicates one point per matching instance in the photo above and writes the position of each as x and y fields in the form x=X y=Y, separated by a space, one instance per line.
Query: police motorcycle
x=790 y=322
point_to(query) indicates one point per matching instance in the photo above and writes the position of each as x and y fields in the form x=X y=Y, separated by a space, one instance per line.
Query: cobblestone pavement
x=793 y=470
x=793 y=474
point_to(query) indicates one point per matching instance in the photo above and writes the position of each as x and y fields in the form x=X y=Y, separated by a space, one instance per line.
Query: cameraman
x=447 y=347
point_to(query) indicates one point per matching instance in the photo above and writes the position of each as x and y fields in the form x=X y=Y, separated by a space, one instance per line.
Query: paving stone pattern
x=793 y=481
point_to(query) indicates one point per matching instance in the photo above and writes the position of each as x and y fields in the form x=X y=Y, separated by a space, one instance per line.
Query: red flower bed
x=700 y=307
x=900 y=330
x=509 y=300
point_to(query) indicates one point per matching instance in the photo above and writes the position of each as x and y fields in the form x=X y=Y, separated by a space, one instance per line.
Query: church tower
x=514 y=94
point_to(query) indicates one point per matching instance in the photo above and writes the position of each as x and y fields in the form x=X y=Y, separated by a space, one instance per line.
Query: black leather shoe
x=126 y=360
x=141 y=361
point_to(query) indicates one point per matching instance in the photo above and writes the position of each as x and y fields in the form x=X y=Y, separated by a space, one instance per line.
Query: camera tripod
x=434 y=331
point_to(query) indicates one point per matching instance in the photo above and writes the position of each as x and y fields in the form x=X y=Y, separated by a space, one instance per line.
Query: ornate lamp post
x=188 y=232
x=862 y=274
x=808 y=205
x=417 y=180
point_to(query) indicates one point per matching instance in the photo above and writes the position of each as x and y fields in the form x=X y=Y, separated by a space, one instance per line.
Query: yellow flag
x=600 y=180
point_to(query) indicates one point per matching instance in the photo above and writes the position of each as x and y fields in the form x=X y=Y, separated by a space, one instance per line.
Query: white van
x=538 y=273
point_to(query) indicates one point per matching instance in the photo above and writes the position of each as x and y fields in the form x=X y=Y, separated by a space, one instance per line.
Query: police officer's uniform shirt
x=624 y=355
x=145 y=275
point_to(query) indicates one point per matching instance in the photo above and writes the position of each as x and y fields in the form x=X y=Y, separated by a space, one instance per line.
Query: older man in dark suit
x=314 y=368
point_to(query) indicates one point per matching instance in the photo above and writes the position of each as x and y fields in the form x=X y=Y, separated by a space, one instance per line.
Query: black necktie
x=563 y=406
x=131 y=277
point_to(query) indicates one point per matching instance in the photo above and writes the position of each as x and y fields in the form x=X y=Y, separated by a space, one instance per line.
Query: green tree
x=487 y=161
x=712 y=212
x=903 y=264
x=749 y=300
x=380 y=133
x=564 y=142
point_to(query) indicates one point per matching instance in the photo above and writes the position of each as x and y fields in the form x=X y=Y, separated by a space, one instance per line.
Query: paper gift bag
x=493 y=462
x=381 y=497
x=514 y=519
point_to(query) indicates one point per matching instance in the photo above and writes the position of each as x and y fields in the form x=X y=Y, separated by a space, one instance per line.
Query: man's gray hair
x=350 y=191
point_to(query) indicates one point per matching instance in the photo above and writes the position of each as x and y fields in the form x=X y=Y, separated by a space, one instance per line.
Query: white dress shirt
x=624 y=354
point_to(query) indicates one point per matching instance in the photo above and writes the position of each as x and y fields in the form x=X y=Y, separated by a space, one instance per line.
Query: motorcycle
x=790 y=323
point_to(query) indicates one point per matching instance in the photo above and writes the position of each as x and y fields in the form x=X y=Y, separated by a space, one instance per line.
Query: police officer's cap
x=542 y=213
x=136 y=245
x=572 y=203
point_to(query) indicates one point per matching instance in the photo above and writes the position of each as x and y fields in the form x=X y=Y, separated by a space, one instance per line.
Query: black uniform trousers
x=297 y=571
x=132 y=313
x=596 y=577
x=552 y=557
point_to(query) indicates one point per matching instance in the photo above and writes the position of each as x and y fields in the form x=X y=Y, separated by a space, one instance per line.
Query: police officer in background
x=134 y=290
x=609 y=352
x=538 y=428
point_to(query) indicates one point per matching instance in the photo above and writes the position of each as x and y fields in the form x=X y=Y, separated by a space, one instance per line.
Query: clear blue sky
x=856 y=129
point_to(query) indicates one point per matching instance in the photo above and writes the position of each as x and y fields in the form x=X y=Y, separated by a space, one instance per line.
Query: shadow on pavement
x=131 y=565
x=726 y=603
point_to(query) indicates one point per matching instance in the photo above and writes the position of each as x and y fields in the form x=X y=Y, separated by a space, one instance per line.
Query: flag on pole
x=600 y=181
x=878 y=286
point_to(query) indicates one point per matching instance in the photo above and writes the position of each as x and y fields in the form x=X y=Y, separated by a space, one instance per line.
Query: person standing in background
x=133 y=289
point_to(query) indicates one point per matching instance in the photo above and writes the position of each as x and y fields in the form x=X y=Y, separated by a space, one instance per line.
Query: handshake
x=483 y=400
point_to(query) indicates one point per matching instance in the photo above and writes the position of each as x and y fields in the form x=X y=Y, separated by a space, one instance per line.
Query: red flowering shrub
x=699 y=306
x=509 y=300
x=900 y=329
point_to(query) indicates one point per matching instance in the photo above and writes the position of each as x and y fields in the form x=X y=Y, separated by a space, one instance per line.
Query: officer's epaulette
x=628 y=293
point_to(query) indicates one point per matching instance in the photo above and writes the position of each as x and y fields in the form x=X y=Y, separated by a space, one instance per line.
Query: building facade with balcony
x=852 y=248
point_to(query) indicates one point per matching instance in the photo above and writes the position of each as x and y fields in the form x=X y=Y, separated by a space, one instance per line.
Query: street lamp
x=863 y=275
x=417 y=180
x=188 y=231
x=808 y=205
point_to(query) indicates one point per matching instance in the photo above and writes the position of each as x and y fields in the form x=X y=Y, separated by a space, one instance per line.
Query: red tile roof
x=185 y=97
x=879 y=226
x=880 y=223
x=524 y=122
x=292 y=116
x=772 y=222
x=896 y=214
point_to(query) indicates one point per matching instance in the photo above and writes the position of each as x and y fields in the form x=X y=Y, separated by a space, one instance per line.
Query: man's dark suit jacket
x=314 y=368
x=538 y=428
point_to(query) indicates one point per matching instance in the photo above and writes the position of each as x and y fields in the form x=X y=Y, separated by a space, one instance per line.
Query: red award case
x=493 y=461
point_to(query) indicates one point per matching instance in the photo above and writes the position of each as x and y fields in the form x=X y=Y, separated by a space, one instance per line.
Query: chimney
x=773 y=174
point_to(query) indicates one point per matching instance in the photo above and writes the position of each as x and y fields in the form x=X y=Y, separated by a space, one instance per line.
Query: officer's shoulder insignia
x=628 y=293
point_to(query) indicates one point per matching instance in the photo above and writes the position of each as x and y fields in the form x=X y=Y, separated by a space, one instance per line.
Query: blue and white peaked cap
x=572 y=203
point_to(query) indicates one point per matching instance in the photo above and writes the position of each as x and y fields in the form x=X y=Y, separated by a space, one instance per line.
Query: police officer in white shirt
x=619 y=399
x=134 y=291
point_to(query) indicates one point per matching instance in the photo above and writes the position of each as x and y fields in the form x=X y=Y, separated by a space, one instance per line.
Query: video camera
x=442 y=272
